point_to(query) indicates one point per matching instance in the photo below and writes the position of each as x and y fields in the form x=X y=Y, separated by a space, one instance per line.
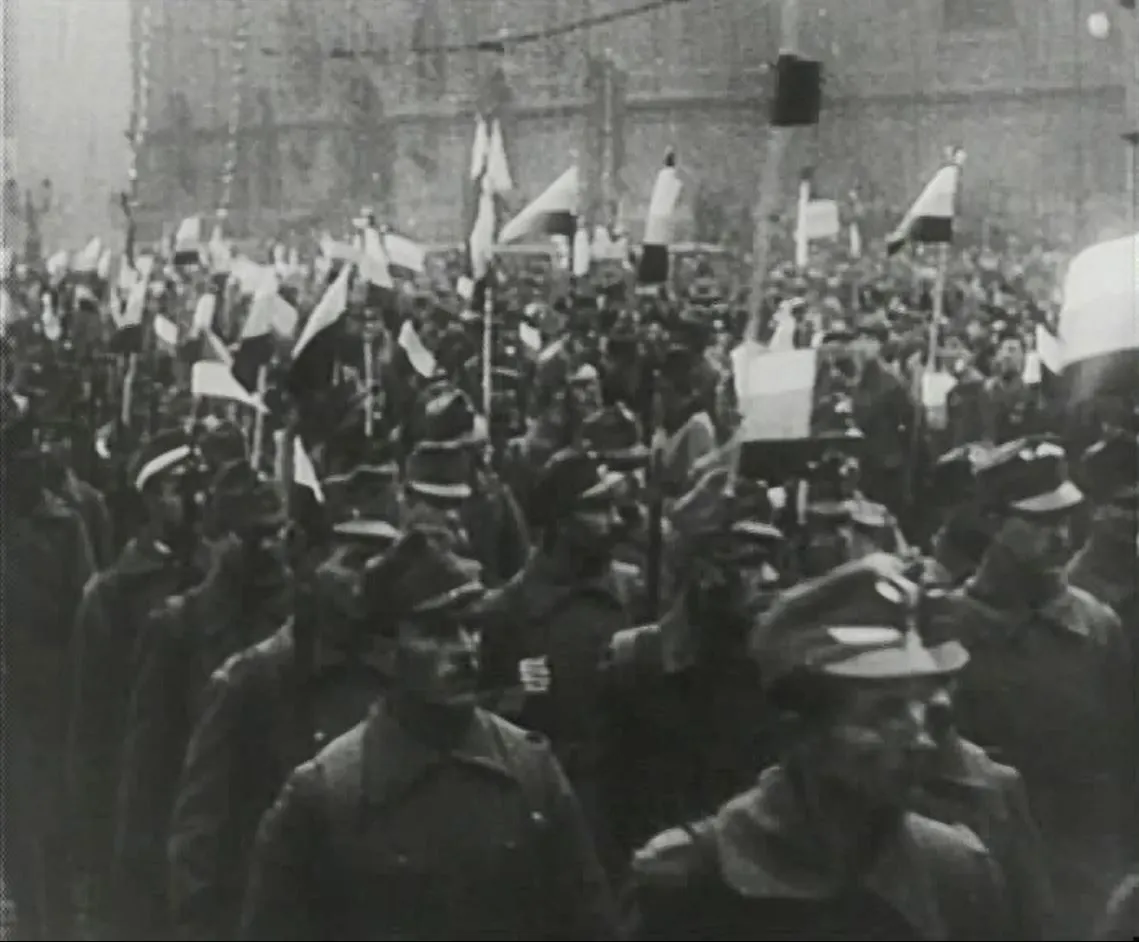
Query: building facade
x=66 y=102
x=345 y=102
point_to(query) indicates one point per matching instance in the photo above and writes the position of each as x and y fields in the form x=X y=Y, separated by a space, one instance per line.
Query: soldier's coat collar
x=767 y=851
x=395 y=761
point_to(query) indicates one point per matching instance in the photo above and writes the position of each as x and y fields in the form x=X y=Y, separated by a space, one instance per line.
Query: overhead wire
x=506 y=40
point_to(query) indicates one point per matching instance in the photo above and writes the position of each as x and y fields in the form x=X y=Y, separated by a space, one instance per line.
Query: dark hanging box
x=798 y=92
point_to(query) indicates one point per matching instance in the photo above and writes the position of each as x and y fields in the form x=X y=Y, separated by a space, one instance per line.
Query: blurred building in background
x=67 y=82
x=351 y=101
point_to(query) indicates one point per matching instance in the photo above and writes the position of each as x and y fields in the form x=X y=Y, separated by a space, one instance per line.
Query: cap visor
x=609 y=484
x=1065 y=497
x=459 y=597
x=443 y=491
x=627 y=459
x=890 y=664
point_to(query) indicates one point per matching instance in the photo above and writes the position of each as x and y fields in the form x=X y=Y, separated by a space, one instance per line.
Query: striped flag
x=1098 y=335
x=790 y=395
x=315 y=352
x=554 y=212
x=188 y=241
x=659 y=224
x=930 y=219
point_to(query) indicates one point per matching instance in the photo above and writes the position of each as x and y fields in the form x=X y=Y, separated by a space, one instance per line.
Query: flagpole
x=767 y=199
x=765 y=206
x=259 y=419
x=369 y=381
x=487 y=350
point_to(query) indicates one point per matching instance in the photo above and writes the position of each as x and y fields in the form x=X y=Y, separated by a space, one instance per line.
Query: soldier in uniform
x=47 y=560
x=1107 y=564
x=244 y=597
x=266 y=710
x=824 y=846
x=961 y=784
x=432 y=819
x=116 y=608
x=677 y=687
x=1049 y=685
x=488 y=513
x=1009 y=406
x=544 y=633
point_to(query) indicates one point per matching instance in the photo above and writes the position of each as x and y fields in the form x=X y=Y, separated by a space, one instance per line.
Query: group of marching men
x=587 y=689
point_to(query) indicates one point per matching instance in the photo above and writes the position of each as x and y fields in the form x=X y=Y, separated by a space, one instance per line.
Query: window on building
x=968 y=16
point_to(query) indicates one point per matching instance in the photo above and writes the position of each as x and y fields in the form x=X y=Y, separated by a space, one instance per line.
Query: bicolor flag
x=127 y=318
x=314 y=355
x=775 y=392
x=420 y=358
x=406 y=257
x=816 y=219
x=1098 y=330
x=188 y=241
x=554 y=212
x=213 y=379
x=930 y=219
x=256 y=344
x=659 y=224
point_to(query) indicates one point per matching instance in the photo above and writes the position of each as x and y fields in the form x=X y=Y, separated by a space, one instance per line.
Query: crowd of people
x=540 y=648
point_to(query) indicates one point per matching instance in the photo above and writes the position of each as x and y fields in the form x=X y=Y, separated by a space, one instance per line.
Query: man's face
x=165 y=499
x=1040 y=542
x=1010 y=357
x=437 y=660
x=586 y=396
x=879 y=739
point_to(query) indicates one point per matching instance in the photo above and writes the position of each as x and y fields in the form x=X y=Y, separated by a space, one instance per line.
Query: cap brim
x=443 y=491
x=627 y=459
x=610 y=483
x=1065 y=497
x=460 y=597
x=364 y=529
x=901 y=663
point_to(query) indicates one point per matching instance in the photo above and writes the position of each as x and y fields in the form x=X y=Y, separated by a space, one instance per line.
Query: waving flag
x=1098 y=336
x=653 y=267
x=554 y=212
x=930 y=218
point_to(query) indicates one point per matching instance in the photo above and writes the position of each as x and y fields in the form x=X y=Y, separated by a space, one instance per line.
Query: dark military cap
x=449 y=419
x=242 y=501
x=418 y=576
x=1028 y=476
x=856 y=622
x=615 y=434
x=164 y=454
x=572 y=479
x=223 y=441
x=366 y=492
x=1111 y=469
x=371 y=532
x=438 y=471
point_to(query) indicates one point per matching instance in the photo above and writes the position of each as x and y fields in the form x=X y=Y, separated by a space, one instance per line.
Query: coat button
x=538 y=818
x=401 y=860
x=319 y=736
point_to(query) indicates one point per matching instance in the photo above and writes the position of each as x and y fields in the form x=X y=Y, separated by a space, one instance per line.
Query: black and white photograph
x=549 y=470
